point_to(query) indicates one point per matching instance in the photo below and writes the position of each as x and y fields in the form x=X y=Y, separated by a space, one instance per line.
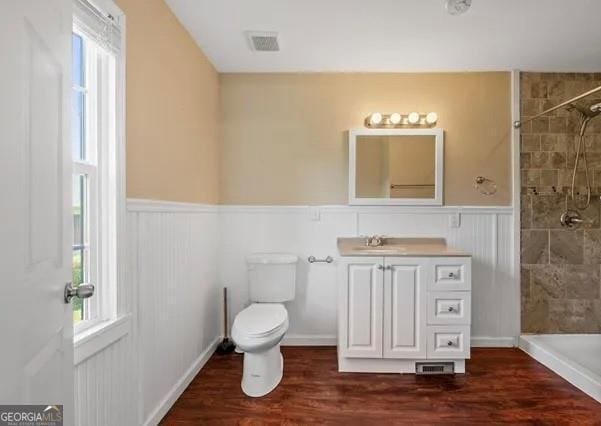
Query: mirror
x=395 y=166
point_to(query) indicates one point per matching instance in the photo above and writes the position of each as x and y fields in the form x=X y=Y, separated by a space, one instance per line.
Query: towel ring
x=485 y=186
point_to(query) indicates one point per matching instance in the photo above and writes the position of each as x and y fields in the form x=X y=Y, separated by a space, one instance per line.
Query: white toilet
x=259 y=329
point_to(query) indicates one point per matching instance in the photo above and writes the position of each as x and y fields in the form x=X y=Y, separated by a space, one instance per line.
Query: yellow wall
x=196 y=136
x=283 y=137
x=172 y=109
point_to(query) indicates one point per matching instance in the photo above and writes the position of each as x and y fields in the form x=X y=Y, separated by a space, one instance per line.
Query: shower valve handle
x=571 y=218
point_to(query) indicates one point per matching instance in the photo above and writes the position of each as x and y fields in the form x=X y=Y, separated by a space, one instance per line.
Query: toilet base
x=262 y=371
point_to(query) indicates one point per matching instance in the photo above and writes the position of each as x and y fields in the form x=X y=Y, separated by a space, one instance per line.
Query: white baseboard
x=584 y=379
x=493 y=342
x=166 y=403
x=309 y=340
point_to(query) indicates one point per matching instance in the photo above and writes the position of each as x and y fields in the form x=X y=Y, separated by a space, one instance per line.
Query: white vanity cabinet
x=395 y=311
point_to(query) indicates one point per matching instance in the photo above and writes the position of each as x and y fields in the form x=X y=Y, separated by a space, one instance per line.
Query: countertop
x=409 y=247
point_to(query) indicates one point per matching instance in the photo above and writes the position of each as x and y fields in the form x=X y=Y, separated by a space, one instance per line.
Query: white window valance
x=97 y=23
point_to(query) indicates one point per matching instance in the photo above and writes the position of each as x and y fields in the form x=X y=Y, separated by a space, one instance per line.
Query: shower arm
x=517 y=124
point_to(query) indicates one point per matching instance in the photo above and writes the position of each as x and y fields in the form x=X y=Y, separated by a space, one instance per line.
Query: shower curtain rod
x=517 y=124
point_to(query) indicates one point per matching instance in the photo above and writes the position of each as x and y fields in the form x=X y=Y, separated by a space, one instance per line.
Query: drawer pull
x=452 y=275
x=451 y=309
x=380 y=267
x=450 y=343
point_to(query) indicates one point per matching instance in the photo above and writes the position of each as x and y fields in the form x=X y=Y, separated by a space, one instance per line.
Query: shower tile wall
x=560 y=268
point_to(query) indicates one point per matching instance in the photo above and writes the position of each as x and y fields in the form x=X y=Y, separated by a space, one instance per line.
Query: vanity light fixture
x=395 y=118
x=413 y=119
x=375 y=119
x=431 y=118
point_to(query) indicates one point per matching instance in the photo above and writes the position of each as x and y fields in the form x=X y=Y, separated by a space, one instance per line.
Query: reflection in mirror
x=395 y=166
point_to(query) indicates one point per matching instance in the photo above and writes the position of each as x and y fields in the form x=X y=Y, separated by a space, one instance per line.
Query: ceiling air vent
x=261 y=41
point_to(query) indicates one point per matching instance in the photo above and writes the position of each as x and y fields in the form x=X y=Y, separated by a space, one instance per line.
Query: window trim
x=100 y=336
x=110 y=300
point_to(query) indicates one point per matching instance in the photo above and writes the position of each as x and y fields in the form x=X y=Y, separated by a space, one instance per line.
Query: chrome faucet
x=374 y=241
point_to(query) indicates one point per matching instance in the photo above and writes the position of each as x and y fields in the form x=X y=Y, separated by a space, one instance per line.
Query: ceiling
x=398 y=35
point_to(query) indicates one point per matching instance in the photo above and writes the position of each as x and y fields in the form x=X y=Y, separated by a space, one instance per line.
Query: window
x=95 y=147
x=82 y=171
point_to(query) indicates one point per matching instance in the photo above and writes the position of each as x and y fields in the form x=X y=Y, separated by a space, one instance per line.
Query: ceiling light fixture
x=457 y=7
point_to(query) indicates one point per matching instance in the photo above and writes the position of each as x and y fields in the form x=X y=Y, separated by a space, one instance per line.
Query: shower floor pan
x=575 y=357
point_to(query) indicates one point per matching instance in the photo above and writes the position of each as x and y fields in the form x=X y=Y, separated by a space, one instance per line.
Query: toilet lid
x=260 y=319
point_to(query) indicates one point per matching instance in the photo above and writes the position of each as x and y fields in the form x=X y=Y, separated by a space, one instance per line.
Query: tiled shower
x=560 y=267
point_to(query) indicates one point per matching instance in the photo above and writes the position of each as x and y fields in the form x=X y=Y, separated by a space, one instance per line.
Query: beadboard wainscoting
x=172 y=294
x=179 y=256
x=105 y=390
x=106 y=371
x=485 y=232
x=178 y=294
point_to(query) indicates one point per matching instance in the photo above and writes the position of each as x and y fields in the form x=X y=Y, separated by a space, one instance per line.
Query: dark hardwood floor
x=501 y=385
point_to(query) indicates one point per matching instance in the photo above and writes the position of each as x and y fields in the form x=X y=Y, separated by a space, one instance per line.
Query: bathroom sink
x=397 y=247
x=384 y=248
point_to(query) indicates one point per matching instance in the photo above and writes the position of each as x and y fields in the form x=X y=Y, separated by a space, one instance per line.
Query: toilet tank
x=271 y=277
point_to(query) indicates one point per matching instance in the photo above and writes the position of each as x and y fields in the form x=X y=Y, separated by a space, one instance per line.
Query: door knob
x=83 y=291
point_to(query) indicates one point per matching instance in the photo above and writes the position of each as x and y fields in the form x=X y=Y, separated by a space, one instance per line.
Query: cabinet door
x=405 y=307
x=360 y=313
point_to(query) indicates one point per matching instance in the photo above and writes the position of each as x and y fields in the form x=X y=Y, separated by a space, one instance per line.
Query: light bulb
x=431 y=118
x=375 y=119
x=413 y=118
x=395 y=118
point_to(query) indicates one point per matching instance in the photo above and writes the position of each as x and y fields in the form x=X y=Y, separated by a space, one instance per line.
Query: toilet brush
x=227 y=345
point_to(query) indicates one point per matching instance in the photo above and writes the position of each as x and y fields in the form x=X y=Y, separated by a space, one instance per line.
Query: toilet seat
x=261 y=320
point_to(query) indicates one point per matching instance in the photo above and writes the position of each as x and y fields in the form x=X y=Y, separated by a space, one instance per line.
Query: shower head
x=590 y=108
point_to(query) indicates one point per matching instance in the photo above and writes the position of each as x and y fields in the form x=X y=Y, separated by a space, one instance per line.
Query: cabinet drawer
x=451 y=274
x=448 y=342
x=449 y=307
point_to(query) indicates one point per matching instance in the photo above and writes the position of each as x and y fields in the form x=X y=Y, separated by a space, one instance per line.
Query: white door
x=405 y=307
x=360 y=310
x=36 y=359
